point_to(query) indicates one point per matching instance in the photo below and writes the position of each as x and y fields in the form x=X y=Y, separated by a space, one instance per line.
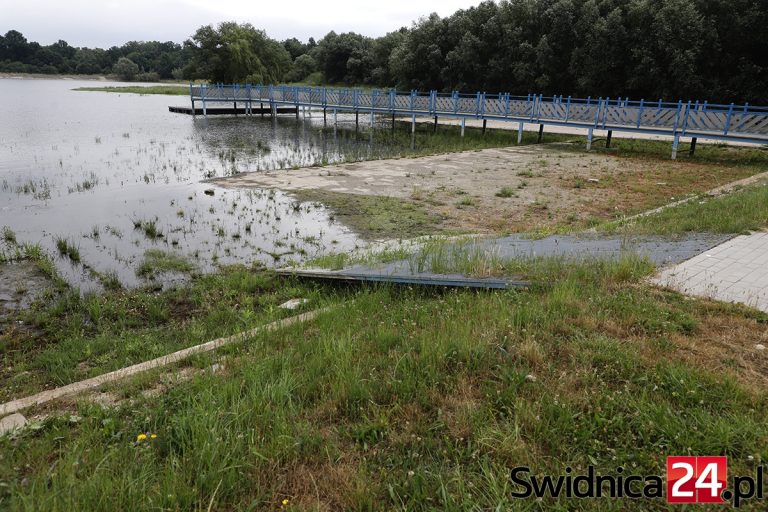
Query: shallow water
x=89 y=166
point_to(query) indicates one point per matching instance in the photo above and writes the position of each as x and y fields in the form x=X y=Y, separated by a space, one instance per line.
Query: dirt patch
x=510 y=189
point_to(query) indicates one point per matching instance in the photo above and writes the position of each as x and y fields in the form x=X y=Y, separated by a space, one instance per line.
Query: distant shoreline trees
x=700 y=49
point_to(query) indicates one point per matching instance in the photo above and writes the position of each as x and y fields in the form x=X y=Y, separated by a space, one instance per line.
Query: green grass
x=74 y=336
x=157 y=262
x=8 y=235
x=399 y=399
x=68 y=249
x=506 y=192
x=740 y=211
x=376 y=217
x=174 y=90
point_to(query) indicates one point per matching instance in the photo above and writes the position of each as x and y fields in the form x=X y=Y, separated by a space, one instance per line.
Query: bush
x=126 y=69
x=148 y=76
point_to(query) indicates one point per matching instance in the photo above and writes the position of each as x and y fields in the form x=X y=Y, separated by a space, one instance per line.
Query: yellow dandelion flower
x=285 y=502
x=141 y=437
x=153 y=436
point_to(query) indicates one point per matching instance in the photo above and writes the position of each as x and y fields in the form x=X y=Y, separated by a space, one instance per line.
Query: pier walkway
x=691 y=119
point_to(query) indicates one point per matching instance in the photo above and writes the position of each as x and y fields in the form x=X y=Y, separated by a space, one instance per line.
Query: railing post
x=728 y=120
x=743 y=117
x=455 y=95
x=640 y=112
x=192 y=97
x=685 y=121
x=675 y=135
x=202 y=95
x=568 y=110
x=506 y=105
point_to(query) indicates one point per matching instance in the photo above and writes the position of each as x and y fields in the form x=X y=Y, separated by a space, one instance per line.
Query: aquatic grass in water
x=68 y=249
x=157 y=262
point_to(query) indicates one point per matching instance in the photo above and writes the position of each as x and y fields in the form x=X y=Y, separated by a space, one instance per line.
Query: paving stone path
x=734 y=271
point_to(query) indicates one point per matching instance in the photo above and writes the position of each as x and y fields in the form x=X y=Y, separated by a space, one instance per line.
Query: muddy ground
x=510 y=189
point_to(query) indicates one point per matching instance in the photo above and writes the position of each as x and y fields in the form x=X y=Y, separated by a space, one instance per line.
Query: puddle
x=21 y=283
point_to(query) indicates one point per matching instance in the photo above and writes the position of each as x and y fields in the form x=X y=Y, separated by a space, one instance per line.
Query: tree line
x=708 y=49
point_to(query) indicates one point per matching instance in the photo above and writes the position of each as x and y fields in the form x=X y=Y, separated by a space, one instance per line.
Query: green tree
x=303 y=66
x=236 y=53
x=126 y=69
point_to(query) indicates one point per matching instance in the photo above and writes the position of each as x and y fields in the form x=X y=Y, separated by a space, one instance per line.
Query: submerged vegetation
x=158 y=262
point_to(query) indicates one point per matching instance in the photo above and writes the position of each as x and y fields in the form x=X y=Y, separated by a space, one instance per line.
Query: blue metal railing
x=745 y=123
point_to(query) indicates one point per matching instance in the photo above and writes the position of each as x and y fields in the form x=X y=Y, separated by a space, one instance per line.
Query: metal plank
x=406 y=279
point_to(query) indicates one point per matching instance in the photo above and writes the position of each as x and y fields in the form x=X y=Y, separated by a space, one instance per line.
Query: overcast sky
x=105 y=23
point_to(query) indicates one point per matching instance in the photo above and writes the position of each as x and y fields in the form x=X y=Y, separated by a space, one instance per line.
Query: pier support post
x=324 y=116
x=297 y=112
x=463 y=123
x=541 y=132
x=434 y=130
x=675 y=144
x=589 y=138
x=608 y=139
x=393 y=122
x=520 y=133
x=335 y=120
x=357 y=120
x=234 y=104
x=485 y=123
x=261 y=108
x=371 y=118
x=413 y=124
x=693 y=147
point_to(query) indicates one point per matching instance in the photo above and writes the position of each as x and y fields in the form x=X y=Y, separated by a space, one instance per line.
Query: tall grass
x=737 y=212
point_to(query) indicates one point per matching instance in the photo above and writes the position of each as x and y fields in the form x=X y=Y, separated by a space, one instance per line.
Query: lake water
x=89 y=167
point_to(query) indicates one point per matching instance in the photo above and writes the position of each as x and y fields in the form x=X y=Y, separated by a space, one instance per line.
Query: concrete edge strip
x=94 y=382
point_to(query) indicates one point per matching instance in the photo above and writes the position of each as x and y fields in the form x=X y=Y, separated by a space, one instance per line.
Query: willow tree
x=236 y=53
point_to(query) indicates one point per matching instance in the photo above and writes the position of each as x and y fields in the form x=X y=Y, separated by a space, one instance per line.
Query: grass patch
x=68 y=249
x=149 y=227
x=157 y=262
x=506 y=192
x=76 y=336
x=376 y=217
x=8 y=235
x=737 y=212
x=402 y=399
x=171 y=90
